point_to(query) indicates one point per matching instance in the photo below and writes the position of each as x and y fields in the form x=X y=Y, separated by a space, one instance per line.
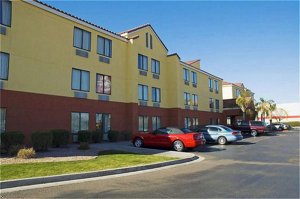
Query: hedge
x=41 y=140
x=9 y=139
x=84 y=136
x=113 y=136
x=294 y=123
x=97 y=136
x=126 y=135
x=60 y=137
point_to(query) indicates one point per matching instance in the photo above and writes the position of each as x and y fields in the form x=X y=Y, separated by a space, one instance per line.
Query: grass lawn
x=105 y=160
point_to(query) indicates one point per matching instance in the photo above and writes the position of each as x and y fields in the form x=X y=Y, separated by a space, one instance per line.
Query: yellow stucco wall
x=42 y=56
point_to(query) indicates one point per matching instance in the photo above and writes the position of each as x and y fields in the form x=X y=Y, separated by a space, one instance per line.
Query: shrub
x=9 y=139
x=14 y=149
x=113 y=136
x=60 y=137
x=84 y=136
x=294 y=123
x=84 y=146
x=97 y=136
x=41 y=140
x=26 y=153
x=126 y=135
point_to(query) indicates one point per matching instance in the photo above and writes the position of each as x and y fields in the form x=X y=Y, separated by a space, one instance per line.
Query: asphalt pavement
x=260 y=167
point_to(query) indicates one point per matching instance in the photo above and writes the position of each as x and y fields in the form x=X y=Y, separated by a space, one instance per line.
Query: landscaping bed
x=102 y=161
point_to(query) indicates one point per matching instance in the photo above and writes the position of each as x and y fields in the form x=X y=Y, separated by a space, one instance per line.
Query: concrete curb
x=76 y=176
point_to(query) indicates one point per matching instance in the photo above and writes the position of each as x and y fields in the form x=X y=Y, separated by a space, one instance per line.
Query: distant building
x=232 y=112
x=292 y=112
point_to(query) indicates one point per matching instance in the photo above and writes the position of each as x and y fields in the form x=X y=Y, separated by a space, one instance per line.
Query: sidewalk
x=121 y=146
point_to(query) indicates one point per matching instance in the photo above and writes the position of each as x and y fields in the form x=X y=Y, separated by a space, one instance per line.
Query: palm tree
x=262 y=107
x=272 y=108
x=245 y=101
x=266 y=108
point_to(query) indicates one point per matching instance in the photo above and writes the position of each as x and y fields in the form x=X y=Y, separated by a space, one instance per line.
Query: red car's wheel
x=138 y=142
x=178 y=146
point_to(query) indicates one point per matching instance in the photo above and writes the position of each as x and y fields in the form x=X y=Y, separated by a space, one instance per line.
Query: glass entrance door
x=103 y=123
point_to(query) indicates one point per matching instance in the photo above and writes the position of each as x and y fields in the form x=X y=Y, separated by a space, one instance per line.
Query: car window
x=226 y=128
x=213 y=129
x=175 y=131
x=244 y=123
x=257 y=123
x=162 y=131
x=204 y=129
x=186 y=130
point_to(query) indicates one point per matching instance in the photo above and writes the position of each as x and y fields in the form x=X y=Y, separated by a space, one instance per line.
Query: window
x=147 y=40
x=80 y=80
x=155 y=66
x=195 y=122
x=195 y=100
x=186 y=97
x=143 y=123
x=80 y=121
x=155 y=94
x=187 y=122
x=142 y=62
x=155 y=123
x=186 y=75
x=4 y=61
x=82 y=39
x=2 y=119
x=151 y=42
x=5 y=17
x=210 y=84
x=194 y=77
x=104 y=46
x=216 y=86
x=217 y=104
x=237 y=92
x=211 y=103
x=103 y=84
x=143 y=92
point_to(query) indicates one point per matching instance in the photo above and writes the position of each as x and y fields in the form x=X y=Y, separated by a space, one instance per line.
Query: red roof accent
x=40 y=2
x=192 y=61
x=136 y=28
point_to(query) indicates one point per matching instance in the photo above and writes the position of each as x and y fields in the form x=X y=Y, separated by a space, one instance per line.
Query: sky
x=253 y=42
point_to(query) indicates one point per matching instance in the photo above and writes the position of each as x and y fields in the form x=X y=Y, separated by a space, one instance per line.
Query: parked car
x=220 y=134
x=253 y=127
x=168 y=137
x=279 y=126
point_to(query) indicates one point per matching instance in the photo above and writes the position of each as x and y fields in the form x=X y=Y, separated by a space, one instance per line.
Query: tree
x=265 y=108
x=245 y=101
x=272 y=107
x=280 y=114
x=262 y=107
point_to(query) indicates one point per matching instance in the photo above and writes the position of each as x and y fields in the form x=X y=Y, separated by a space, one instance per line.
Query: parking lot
x=256 y=167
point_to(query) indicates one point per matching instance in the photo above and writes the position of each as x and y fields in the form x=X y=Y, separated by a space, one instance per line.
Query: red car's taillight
x=198 y=136
x=235 y=133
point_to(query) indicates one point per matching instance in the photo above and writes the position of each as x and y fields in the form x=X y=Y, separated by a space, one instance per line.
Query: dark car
x=279 y=126
x=253 y=127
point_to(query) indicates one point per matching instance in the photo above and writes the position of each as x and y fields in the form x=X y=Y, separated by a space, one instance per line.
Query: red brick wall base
x=29 y=112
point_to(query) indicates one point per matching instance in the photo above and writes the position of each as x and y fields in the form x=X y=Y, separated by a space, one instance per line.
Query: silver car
x=220 y=134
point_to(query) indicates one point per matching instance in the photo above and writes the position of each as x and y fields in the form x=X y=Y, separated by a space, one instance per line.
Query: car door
x=213 y=133
x=161 y=138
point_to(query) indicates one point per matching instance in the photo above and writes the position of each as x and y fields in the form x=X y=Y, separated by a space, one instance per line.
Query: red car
x=168 y=137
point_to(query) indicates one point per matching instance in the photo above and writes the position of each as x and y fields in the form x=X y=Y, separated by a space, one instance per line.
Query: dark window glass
x=5 y=16
x=104 y=46
x=82 y=39
x=80 y=80
x=142 y=62
x=4 y=65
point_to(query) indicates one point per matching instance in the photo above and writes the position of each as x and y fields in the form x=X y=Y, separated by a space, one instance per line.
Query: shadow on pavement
x=242 y=143
x=208 y=149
